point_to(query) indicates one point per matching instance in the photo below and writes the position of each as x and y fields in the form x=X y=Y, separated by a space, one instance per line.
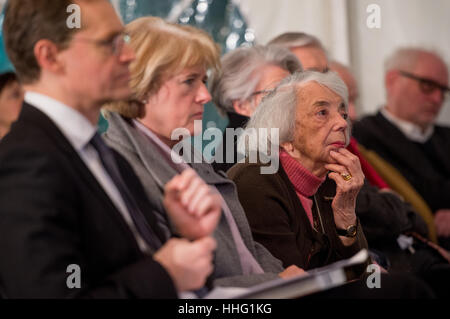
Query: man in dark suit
x=404 y=131
x=74 y=218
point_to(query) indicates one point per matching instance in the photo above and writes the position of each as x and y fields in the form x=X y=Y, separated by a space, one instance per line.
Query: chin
x=330 y=160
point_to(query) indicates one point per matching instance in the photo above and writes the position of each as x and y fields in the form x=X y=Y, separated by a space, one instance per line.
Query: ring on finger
x=346 y=176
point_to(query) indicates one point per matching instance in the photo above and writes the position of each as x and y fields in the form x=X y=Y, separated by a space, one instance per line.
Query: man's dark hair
x=28 y=21
x=7 y=79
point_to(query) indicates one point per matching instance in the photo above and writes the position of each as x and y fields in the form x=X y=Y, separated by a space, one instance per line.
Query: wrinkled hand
x=188 y=263
x=193 y=206
x=442 y=222
x=292 y=271
x=344 y=202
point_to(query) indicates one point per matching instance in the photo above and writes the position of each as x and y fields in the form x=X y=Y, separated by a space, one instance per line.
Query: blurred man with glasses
x=404 y=130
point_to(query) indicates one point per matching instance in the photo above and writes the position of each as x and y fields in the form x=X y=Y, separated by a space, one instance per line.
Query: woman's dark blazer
x=279 y=222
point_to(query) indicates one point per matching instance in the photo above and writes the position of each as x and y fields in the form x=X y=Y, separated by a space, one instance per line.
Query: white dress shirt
x=79 y=131
x=410 y=130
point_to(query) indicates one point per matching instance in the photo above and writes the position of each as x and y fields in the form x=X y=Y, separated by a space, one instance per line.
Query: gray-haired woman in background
x=248 y=73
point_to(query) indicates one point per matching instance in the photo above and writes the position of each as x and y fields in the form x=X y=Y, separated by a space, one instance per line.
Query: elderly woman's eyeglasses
x=427 y=86
x=114 y=45
x=265 y=92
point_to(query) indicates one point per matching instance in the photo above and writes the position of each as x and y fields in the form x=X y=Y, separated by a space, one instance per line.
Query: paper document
x=314 y=280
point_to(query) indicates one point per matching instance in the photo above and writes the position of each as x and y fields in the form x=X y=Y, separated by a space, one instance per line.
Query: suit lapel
x=130 y=137
x=124 y=133
x=39 y=119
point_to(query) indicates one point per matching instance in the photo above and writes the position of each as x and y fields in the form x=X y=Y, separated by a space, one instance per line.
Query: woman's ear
x=242 y=107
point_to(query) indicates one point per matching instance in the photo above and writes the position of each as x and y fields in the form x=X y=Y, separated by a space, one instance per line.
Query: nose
x=340 y=124
x=203 y=95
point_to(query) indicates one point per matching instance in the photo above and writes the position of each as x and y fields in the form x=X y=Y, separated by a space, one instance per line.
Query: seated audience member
x=381 y=211
x=168 y=83
x=426 y=254
x=11 y=97
x=385 y=176
x=303 y=214
x=404 y=132
x=248 y=73
x=74 y=218
x=310 y=51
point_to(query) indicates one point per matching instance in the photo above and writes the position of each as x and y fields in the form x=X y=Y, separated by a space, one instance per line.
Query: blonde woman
x=168 y=81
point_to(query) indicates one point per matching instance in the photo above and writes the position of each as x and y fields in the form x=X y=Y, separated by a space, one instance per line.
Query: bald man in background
x=404 y=131
x=306 y=47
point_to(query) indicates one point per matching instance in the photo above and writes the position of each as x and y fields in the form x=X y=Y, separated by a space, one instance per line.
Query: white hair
x=239 y=75
x=278 y=110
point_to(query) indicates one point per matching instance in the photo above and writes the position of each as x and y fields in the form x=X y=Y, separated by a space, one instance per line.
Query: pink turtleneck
x=305 y=183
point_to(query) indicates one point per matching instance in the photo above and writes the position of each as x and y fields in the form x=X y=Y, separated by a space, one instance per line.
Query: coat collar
x=75 y=127
x=410 y=130
x=123 y=132
x=399 y=144
x=32 y=116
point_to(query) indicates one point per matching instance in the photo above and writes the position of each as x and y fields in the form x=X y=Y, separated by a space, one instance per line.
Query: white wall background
x=341 y=25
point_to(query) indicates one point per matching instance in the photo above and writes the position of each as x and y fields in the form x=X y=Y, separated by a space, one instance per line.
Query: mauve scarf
x=305 y=183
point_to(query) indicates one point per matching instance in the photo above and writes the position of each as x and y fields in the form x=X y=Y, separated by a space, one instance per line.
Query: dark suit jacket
x=54 y=213
x=415 y=163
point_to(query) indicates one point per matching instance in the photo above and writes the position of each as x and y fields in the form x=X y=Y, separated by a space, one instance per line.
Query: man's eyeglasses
x=114 y=45
x=427 y=86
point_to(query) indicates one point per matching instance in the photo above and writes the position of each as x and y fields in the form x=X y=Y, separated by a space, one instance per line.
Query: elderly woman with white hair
x=305 y=212
x=248 y=73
